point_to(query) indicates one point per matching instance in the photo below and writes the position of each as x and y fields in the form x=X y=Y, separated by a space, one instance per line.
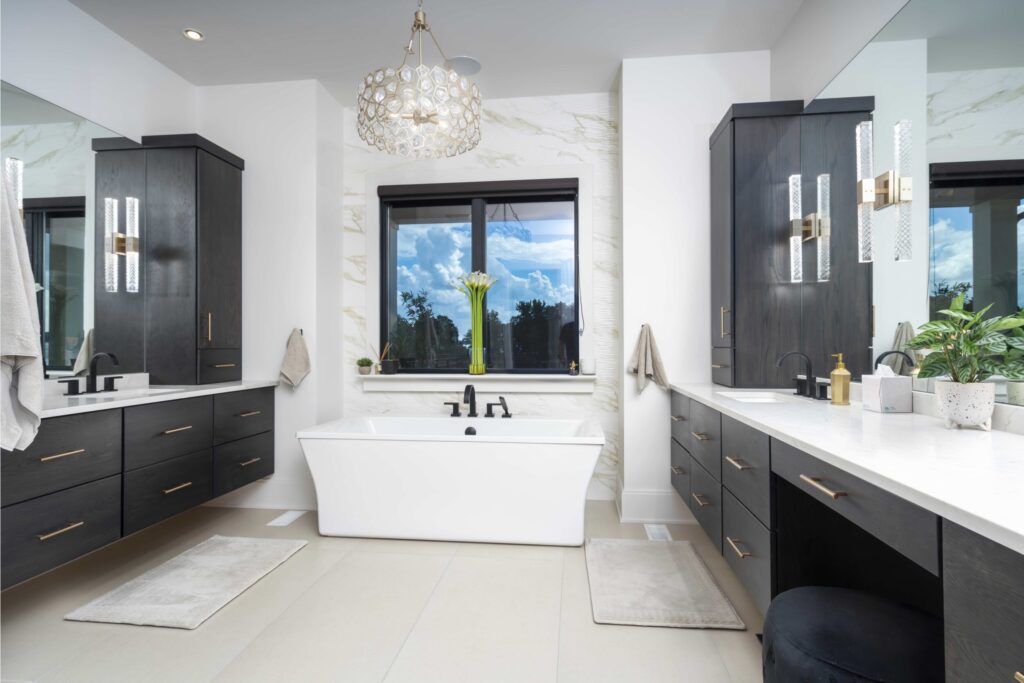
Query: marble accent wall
x=570 y=132
x=976 y=114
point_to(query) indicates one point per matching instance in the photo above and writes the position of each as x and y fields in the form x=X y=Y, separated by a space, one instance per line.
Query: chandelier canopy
x=419 y=111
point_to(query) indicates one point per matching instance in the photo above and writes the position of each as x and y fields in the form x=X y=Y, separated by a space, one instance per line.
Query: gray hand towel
x=904 y=333
x=84 y=355
x=646 y=361
x=21 y=357
x=295 y=365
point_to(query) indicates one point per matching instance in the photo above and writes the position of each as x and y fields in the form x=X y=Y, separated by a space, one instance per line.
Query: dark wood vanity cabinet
x=190 y=195
x=755 y=309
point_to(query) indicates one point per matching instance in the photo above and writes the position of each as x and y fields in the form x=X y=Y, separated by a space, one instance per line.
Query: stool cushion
x=837 y=635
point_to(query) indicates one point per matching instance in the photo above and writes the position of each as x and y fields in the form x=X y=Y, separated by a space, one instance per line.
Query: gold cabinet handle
x=700 y=436
x=678 y=470
x=209 y=327
x=679 y=418
x=57 y=456
x=721 y=322
x=177 y=488
x=742 y=553
x=250 y=413
x=1018 y=676
x=224 y=365
x=700 y=500
x=718 y=366
x=58 y=532
x=738 y=464
x=250 y=462
x=175 y=430
x=816 y=483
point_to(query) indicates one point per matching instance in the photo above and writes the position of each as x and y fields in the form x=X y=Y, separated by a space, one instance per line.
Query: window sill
x=496 y=383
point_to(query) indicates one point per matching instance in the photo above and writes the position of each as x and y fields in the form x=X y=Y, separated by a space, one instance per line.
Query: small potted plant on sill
x=966 y=350
x=364 y=365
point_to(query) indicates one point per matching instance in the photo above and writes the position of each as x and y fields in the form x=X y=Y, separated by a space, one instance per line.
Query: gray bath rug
x=655 y=583
x=187 y=590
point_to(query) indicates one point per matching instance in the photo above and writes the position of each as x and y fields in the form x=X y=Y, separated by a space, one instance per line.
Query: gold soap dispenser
x=840 y=377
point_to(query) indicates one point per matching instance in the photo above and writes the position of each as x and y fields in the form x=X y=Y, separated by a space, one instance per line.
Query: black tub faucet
x=808 y=387
x=881 y=357
x=90 y=380
x=469 y=397
x=504 y=406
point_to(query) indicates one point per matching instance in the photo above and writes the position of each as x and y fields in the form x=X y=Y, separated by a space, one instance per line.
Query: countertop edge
x=186 y=391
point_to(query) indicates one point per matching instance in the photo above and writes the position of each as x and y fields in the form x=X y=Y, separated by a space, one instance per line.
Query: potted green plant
x=364 y=365
x=1014 y=369
x=967 y=349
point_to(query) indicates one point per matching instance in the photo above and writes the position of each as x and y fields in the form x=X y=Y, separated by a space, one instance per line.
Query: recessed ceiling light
x=193 y=34
x=464 y=65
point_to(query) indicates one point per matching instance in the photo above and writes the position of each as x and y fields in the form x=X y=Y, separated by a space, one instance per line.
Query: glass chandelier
x=419 y=111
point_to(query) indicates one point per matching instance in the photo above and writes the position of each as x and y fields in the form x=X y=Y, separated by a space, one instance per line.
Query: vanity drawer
x=681 y=419
x=706 y=502
x=159 y=491
x=219 y=365
x=242 y=462
x=46 y=532
x=983 y=589
x=747 y=545
x=67 y=451
x=242 y=413
x=160 y=431
x=911 y=530
x=680 y=470
x=721 y=366
x=706 y=437
x=745 y=466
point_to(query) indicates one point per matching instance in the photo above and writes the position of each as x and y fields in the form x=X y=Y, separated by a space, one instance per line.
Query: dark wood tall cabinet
x=755 y=309
x=190 y=303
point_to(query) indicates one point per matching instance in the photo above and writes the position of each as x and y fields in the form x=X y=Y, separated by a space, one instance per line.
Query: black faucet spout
x=809 y=382
x=882 y=356
x=469 y=397
x=90 y=380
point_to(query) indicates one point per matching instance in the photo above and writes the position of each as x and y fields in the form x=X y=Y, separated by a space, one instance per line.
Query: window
x=523 y=233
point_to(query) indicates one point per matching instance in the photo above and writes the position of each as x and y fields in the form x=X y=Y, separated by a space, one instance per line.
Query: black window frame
x=476 y=195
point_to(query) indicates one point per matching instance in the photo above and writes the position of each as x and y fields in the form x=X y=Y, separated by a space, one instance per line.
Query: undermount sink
x=753 y=396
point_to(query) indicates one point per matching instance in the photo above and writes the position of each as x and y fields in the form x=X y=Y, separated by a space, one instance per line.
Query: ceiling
x=527 y=47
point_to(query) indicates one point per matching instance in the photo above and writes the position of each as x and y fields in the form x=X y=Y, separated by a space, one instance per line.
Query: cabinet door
x=721 y=239
x=219 y=194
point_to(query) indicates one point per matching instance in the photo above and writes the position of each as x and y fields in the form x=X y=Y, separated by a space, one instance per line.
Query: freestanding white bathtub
x=518 y=480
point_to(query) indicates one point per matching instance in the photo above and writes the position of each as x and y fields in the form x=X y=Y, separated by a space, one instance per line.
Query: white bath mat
x=655 y=583
x=187 y=590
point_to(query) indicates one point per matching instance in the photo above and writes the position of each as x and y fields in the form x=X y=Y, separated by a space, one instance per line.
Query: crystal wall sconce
x=892 y=188
x=121 y=244
x=822 y=222
x=796 y=235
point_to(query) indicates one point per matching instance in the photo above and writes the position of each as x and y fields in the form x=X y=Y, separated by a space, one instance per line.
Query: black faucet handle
x=504 y=406
x=455 y=408
x=108 y=382
x=490 y=409
x=73 y=386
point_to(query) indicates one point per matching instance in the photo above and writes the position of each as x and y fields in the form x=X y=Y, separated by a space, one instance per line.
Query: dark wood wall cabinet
x=89 y=479
x=783 y=518
x=184 y=326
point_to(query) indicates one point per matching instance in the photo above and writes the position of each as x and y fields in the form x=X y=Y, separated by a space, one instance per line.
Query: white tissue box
x=887 y=394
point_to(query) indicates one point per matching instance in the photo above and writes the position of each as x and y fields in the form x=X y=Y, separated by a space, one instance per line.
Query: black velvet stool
x=837 y=635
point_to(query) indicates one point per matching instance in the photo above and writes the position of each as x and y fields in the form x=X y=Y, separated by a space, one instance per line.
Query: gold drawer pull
x=700 y=500
x=56 y=456
x=742 y=553
x=678 y=470
x=58 y=532
x=251 y=413
x=700 y=436
x=178 y=487
x=250 y=462
x=679 y=418
x=718 y=366
x=738 y=464
x=816 y=483
x=1018 y=676
x=224 y=365
x=175 y=430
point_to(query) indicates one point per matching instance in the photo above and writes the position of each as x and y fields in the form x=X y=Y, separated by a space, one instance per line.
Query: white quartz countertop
x=54 y=406
x=971 y=477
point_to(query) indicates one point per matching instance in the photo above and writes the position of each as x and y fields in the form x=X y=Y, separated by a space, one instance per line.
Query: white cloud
x=952 y=253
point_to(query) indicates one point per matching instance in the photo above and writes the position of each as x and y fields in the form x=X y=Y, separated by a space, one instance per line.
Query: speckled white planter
x=966 y=405
x=1015 y=392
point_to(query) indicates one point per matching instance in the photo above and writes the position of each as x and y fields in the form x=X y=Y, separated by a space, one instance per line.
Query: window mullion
x=479 y=232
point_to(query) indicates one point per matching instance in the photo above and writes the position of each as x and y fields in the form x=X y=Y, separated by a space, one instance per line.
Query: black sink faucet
x=808 y=388
x=469 y=396
x=882 y=356
x=90 y=380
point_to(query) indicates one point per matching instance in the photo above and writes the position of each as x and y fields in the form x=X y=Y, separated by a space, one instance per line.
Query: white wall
x=820 y=40
x=669 y=106
x=56 y=51
x=290 y=205
x=900 y=288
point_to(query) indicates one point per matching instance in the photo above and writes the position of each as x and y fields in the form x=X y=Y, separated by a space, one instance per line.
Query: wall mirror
x=947 y=132
x=47 y=150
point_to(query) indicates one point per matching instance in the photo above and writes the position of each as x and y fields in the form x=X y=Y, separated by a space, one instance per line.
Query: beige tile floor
x=370 y=610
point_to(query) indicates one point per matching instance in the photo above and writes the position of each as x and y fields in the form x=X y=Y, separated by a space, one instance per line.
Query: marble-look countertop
x=971 y=477
x=54 y=406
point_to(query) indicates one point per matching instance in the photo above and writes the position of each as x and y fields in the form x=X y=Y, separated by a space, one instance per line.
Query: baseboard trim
x=653 y=507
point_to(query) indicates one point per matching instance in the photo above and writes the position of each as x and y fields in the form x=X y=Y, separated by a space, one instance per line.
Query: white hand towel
x=84 y=355
x=21 y=358
x=295 y=365
x=904 y=333
x=646 y=361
